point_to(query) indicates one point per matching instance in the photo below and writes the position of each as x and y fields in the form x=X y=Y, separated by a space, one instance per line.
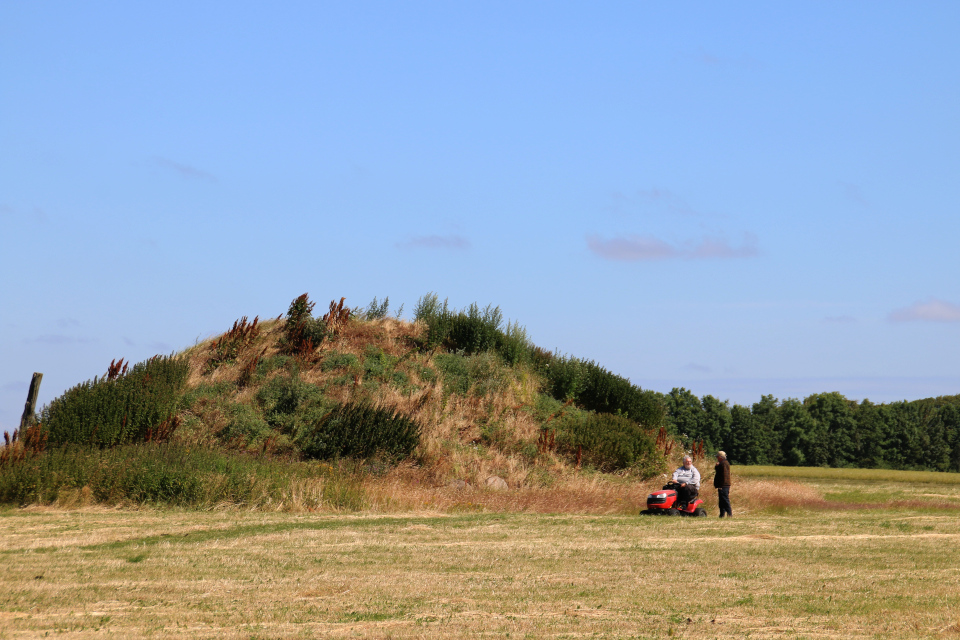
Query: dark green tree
x=796 y=428
x=685 y=413
x=766 y=414
x=870 y=436
x=715 y=427
x=747 y=442
x=836 y=433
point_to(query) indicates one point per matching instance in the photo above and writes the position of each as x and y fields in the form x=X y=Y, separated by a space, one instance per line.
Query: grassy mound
x=451 y=399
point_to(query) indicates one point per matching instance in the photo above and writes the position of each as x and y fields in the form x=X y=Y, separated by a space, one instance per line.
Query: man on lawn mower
x=688 y=478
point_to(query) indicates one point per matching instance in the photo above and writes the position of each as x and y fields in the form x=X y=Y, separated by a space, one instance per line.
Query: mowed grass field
x=834 y=554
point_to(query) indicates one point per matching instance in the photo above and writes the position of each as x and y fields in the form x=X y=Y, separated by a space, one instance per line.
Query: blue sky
x=741 y=199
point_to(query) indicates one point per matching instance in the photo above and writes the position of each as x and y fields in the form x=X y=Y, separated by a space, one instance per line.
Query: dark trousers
x=724 y=493
x=687 y=494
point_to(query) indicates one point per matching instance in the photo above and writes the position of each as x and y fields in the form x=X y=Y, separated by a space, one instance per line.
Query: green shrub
x=119 y=409
x=426 y=374
x=171 y=474
x=610 y=442
x=284 y=395
x=596 y=389
x=335 y=360
x=377 y=310
x=472 y=331
x=377 y=363
x=207 y=392
x=265 y=366
x=292 y=406
x=400 y=380
x=361 y=431
x=478 y=374
x=246 y=426
x=456 y=375
x=302 y=333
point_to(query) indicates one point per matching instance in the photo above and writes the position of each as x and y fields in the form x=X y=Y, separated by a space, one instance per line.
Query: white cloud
x=635 y=248
x=631 y=248
x=933 y=310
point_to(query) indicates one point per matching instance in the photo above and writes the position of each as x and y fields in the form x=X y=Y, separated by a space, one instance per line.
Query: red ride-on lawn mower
x=664 y=503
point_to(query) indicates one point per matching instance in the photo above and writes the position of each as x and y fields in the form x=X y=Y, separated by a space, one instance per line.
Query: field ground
x=834 y=556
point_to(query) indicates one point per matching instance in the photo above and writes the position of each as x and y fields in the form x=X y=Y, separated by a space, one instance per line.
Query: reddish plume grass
x=117 y=369
x=163 y=431
x=664 y=442
x=697 y=451
x=246 y=373
x=32 y=440
x=229 y=346
x=336 y=318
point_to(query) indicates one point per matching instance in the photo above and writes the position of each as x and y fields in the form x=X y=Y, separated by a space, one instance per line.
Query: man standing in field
x=721 y=480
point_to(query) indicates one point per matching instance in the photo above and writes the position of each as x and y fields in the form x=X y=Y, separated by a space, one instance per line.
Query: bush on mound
x=356 y=430
x=611 y=443
x=120 y=408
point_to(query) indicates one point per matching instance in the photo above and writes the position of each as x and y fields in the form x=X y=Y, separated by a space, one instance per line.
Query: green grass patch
x=827 y=473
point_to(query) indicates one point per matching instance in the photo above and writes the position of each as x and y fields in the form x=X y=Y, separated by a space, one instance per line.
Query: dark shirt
x=722 y=476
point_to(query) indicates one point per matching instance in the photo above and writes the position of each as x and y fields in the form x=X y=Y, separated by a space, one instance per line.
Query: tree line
x=825 y=429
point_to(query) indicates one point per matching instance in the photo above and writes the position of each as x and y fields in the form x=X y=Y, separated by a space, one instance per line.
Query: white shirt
x=687 y=476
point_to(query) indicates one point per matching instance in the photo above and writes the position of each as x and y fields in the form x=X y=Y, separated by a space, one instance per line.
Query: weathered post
x=29 y=410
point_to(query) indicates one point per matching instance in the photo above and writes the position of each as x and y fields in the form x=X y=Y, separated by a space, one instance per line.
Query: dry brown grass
x=99 y=572
x=409 y=489
x=757 y=494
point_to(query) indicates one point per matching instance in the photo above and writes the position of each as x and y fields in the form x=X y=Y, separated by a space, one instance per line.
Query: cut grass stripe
x=827 y=473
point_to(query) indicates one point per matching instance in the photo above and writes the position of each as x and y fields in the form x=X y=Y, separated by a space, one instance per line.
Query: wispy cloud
x=840 y=319
x=59 y=339
x=933 y=310
x=185 y=170
x=435 y=242
x=640 y=248
x=631 y=248
x=698 y=368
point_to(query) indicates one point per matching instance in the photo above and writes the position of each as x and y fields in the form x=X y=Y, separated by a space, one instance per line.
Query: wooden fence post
x=29 y=409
